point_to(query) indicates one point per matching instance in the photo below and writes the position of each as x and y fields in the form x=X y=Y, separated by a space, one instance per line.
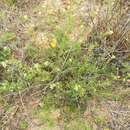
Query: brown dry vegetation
x=65 y=65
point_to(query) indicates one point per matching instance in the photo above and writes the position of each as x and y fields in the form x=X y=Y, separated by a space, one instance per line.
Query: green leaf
x=6 y=37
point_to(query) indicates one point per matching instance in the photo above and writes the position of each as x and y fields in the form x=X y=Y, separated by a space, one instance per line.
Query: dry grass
x=83 y=21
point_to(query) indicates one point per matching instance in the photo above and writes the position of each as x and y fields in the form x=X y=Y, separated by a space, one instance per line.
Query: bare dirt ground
x=100 y=114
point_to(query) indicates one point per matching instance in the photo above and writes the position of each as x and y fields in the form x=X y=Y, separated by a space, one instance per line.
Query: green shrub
x=71 y=73
x=76 y=74
x=4 y=53
x=19 y=76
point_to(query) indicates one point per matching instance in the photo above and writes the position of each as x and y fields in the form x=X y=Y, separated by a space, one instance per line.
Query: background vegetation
x=65 y=55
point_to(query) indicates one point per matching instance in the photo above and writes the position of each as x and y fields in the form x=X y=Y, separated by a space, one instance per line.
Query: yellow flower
x=77 y=87
x=53 y=43
x=108 y=33
x=113 y=57
x=25 y=17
